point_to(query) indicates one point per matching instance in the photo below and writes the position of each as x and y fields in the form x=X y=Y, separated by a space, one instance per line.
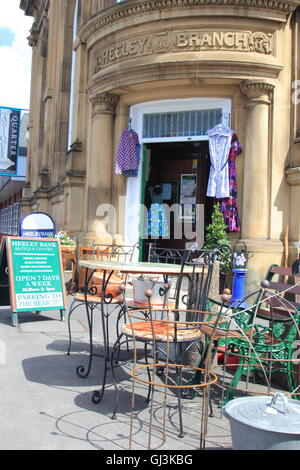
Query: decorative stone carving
x=182 y=41
x=260 y=42
x=293 y=176
x=103 y=103
x=257 y=89
x=34 y=35
x=124 y=11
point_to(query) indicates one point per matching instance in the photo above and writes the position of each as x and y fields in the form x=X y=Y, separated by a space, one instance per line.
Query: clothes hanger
x=219 y=128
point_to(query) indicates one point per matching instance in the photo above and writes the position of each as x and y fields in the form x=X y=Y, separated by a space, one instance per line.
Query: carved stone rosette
x=260 y=42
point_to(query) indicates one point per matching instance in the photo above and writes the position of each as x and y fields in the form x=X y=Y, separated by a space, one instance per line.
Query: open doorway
x=176 y=173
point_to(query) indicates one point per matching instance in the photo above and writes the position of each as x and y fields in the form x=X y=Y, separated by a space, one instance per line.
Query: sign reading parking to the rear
x=35 y=274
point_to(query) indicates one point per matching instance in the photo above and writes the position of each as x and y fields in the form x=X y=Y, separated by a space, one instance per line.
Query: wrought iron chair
x=168 y=329
x=113 y=292
x=262 y=337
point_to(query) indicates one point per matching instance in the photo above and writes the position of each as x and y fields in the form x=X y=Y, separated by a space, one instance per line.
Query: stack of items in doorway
x=224 y=147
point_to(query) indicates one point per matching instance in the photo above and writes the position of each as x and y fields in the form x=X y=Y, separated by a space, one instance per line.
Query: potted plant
x=217 y=237
x=66 y=243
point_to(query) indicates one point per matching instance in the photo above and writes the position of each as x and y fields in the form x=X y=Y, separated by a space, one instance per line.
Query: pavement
x=45 y=405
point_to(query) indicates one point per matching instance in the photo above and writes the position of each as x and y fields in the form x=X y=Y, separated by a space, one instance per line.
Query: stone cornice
x=124 y=10
x=114 y=78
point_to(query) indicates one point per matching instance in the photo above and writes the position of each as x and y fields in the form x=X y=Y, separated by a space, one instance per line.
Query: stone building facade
x=99 y=65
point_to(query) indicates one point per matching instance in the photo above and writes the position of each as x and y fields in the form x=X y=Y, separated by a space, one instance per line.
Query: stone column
x=99 y=173
x=255 y=222
x=257 y=183
x=119 y=181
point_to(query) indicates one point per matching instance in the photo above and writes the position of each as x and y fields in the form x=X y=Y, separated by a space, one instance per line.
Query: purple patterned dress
x=229 y=206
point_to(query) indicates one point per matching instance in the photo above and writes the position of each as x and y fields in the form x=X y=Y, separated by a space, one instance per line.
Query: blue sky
x=15 y=55
x=6 y=37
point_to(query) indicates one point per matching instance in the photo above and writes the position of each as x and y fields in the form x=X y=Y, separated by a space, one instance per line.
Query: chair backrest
x=166 y=255
x=202 y=263
x=112 y=252
x=170 y=256
x=286 y=288
x=278 y=313
x=101 y=252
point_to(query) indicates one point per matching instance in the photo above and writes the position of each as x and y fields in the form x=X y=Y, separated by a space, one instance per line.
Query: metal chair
x=172 y=328
x=169 y=335
x=114 y=284
x=262 y=337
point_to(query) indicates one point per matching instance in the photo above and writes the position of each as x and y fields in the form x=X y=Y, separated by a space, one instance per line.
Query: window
x=180 y=124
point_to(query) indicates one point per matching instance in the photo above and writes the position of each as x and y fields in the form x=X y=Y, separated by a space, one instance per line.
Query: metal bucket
x=264 y=423
x=160 y=295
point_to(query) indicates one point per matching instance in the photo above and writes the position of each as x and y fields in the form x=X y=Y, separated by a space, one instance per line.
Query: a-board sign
x=34 y=273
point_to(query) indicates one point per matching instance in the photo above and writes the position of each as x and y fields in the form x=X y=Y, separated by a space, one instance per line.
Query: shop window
x=180 y=124
x=10 y=219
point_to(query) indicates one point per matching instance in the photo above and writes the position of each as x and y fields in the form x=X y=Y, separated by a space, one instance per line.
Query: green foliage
x=216 y=235
x=64 y=239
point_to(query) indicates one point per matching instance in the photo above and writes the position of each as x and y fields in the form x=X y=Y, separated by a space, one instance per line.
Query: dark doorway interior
x=169 y=166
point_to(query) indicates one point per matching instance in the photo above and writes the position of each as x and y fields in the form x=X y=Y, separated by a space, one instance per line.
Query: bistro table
x=108 y=268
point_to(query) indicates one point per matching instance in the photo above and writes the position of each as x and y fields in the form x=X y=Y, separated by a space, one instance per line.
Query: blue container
x=238 y=287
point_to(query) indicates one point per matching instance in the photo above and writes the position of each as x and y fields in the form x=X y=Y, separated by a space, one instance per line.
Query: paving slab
x=44 y=405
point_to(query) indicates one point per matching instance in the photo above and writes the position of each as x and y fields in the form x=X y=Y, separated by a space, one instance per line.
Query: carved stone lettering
x=170 y=41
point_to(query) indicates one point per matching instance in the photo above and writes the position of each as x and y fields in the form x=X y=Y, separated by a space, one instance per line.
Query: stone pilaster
x=99 y=172
x=119 y=181
x=255 y=222
x=293 y=180
x=257 y=183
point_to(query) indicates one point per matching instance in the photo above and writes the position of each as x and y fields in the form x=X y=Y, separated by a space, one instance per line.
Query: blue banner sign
x=10 y=121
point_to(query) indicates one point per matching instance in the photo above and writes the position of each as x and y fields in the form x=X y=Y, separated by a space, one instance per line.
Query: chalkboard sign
x=35 y=274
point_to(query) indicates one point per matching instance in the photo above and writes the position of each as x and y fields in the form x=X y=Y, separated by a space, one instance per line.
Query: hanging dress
x=229 y=206
x=219 y=147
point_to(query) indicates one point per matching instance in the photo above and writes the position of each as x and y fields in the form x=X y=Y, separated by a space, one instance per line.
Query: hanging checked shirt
x=128 y=154
x=219 y=147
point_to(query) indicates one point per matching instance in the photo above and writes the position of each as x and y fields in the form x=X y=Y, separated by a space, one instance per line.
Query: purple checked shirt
x=128 y=154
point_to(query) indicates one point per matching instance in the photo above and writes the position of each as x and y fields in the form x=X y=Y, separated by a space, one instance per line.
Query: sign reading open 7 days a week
x=34 y=273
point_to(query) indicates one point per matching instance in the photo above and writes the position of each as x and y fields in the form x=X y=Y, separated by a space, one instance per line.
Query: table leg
x=81 y=370
x=73 y=275
x=98 y=394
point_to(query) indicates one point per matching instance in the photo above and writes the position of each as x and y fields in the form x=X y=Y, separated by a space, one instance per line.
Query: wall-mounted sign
x=10 y=124
x=34 y=276
x=183 y=41
x=37 y=224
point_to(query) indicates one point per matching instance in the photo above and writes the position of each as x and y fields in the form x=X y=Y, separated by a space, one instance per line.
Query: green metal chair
x=263 y=340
